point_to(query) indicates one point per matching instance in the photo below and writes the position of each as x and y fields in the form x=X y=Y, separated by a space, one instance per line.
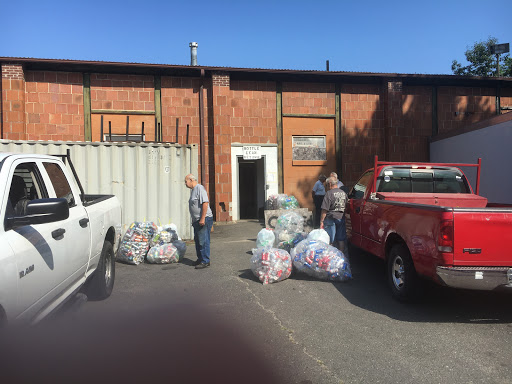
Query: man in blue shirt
x=318 y=194
x=202 y=220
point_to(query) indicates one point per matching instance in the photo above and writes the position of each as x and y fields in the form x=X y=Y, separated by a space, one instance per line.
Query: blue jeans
x=202 y=239
x=336 y=229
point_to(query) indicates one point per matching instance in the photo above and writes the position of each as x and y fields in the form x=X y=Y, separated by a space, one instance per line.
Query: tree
x=482 y=62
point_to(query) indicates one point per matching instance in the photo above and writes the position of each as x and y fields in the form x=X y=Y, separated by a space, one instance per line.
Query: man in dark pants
x=318 y=194
x=333 y=214
x=202 y=220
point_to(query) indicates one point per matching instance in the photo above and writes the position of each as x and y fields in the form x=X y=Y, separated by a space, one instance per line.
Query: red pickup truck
x=425 y=220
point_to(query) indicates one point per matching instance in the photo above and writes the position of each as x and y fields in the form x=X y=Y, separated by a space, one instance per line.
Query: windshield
x=422 y=181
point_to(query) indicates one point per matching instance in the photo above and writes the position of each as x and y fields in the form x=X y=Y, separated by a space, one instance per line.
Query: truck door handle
x=83 y=222
x=58 y=233
x=358 y=209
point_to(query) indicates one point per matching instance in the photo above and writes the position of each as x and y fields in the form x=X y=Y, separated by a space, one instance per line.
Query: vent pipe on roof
x=193 y=53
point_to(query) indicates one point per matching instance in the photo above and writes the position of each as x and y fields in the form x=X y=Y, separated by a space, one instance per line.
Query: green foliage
x=482 y=62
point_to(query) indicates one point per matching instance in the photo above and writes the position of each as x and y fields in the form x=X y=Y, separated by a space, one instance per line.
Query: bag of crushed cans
x=319 y=234
x=135 y=242
x=160 y=238
x=320 y=260
x=163 y=254
x=271 y=265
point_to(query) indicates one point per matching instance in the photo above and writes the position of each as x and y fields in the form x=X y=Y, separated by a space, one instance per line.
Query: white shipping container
x=148 y=178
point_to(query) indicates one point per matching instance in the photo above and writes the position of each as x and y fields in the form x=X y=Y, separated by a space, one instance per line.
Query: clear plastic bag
x=271 y=265
x=163 y=254
x=320 y=260
x=288 y=241
x=290 y=202
x=160 y=238
x=135 y=242
x=291 y=222
x=265 y=238
x=319 y=234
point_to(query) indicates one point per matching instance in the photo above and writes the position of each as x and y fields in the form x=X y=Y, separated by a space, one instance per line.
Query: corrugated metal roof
x=259 y=73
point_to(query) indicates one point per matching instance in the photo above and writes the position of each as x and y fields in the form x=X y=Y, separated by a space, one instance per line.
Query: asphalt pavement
x=173 y=323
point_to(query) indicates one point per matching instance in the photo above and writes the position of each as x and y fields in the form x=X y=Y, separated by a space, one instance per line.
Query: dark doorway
x=251 y=188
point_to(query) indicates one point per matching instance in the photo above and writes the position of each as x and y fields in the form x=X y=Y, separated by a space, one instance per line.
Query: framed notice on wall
x=309 y=148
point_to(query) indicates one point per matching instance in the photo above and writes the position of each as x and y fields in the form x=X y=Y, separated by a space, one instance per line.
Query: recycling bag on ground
x=271 y=265
x=320 y=260
x=135 y=243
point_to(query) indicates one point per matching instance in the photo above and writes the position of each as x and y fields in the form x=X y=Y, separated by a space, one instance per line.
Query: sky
x=407 y=37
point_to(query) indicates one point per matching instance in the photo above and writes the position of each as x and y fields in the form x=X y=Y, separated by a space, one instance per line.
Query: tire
x=402 y=277
x=102 y=282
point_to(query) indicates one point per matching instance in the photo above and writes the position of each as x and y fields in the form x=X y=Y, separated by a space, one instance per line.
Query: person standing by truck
x=335 y=175
x=318 y=194
x=202 y=220
x=332 y=218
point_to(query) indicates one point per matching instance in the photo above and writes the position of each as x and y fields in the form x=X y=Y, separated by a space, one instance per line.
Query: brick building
x=302 y=122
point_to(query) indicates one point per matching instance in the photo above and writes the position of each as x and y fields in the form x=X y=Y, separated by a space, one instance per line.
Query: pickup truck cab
x=425 y=220
x=54 y=239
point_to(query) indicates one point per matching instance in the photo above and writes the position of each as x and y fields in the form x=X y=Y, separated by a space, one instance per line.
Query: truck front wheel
x=402 y=277
x=102 y=282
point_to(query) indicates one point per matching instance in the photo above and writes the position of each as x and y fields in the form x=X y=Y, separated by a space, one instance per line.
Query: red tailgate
x=483 y=238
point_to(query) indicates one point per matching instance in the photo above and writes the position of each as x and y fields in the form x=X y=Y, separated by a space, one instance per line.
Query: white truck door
x=37 y=252
x=78 y=229
x=52 y=257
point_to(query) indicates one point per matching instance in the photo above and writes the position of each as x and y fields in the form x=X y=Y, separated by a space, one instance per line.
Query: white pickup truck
x=54 y=239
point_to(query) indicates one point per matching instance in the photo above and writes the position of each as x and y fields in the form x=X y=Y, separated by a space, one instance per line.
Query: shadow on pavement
x=369 y=290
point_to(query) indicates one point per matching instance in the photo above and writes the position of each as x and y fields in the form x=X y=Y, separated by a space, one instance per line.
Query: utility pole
x=498 y=49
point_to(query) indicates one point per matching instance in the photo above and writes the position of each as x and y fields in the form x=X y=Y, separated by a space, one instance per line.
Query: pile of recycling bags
x=281 y=201
x=288 y=248
x=144 y=241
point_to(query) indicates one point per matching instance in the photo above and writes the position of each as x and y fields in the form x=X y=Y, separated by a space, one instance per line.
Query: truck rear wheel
x=402 y=277
x=102 y=282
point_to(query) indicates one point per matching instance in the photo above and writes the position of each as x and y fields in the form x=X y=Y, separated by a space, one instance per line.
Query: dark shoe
x=202 y=265
x=197 y=262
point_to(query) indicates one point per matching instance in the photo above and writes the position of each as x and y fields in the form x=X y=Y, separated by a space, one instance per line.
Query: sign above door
x=251 y=152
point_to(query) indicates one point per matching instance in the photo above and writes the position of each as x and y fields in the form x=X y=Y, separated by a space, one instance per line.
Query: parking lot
x=222 y=324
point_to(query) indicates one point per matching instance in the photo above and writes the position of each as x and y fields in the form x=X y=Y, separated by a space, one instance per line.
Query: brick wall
x=54 y=106
x=309 y=99
x=180 y=99
x=363 y=123
x=220 y=171
x=251 y=110
x=13 y=102
x=417 y=124
x=461 y=106
x=122 y=92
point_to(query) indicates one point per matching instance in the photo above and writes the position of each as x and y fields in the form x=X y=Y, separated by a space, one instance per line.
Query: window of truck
x=422 y=181
x=359 y=188
x=26 y=184
x=60 y=183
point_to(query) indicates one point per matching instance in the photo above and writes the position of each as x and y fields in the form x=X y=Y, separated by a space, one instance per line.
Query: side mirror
x=40 y=211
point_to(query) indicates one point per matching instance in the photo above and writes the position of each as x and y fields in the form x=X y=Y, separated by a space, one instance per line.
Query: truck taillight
x=445 y=243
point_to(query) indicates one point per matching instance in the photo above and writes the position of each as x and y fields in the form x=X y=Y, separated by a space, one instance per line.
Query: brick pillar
x=222 y=144
x=394 y=121
x=13 y=102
